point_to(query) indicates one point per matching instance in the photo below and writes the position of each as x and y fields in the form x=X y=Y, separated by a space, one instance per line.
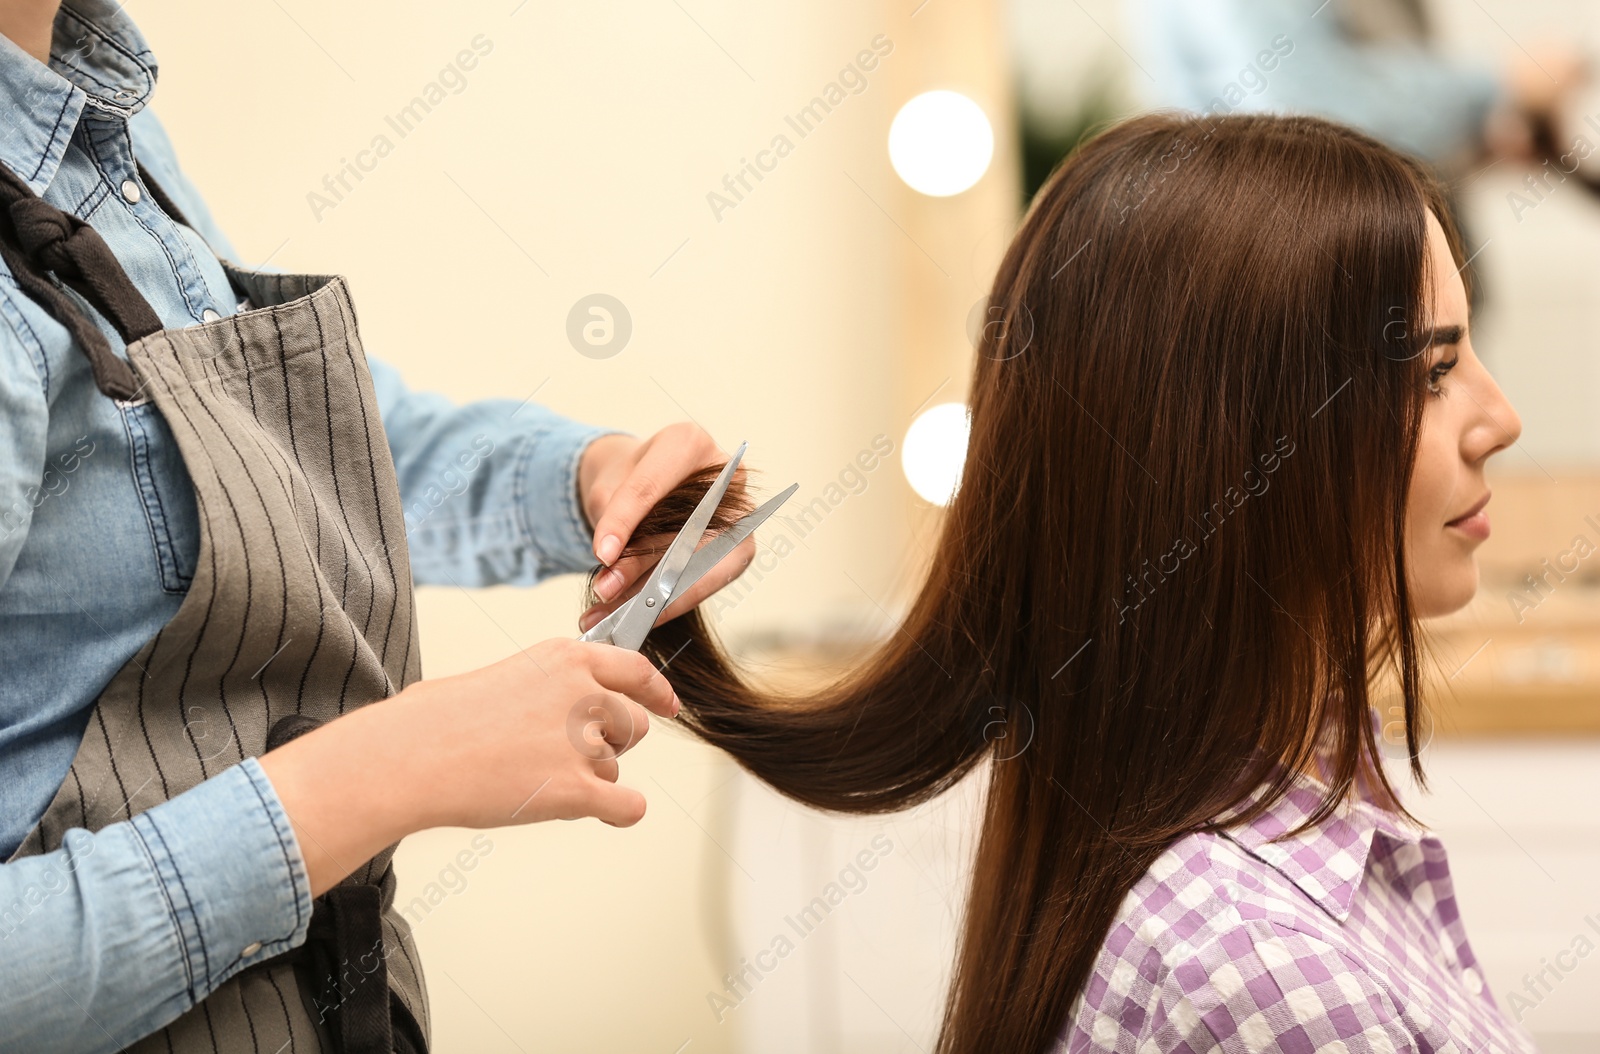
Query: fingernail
x=587 y=620
x=677 y=704
x=608 y=584
x=610 y=549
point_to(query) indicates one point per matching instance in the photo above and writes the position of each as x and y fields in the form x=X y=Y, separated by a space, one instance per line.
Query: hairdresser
x=206 y=577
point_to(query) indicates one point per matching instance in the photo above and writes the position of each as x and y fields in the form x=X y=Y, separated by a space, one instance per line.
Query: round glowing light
x=934 y=451
x=941 y=143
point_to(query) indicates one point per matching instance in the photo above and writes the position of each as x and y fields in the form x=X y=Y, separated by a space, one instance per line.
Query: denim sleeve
x=118 y=932
x=1409 y=97
x=489 y=487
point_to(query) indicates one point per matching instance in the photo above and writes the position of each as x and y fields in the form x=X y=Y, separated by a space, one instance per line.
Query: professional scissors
x=683 y=565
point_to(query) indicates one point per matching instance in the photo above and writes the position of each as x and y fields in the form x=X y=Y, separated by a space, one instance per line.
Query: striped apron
x=300 y=608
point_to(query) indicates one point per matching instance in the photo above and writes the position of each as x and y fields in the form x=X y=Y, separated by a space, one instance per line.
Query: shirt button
x=130 y=192
x=1473 y=980
x=209 y=315
x=250 y=949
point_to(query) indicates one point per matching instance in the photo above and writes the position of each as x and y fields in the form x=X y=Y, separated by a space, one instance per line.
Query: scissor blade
x=704 y=559
x=710 y=554
x=641 y=613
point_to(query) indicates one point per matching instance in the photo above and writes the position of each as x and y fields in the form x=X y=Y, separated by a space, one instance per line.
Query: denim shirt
x=103 y=941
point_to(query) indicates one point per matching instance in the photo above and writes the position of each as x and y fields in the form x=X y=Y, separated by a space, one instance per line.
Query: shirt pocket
x=165 y=492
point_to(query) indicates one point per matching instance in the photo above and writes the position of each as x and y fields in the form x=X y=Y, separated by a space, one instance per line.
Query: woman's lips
x=1475 y=522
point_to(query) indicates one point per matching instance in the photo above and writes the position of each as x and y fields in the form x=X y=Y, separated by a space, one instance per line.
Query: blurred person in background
x=1372 y=64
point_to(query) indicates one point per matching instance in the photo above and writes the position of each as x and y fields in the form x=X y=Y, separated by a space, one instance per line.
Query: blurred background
x=757 y=217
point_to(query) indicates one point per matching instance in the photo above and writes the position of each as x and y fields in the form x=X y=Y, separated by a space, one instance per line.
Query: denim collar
x=98 y=59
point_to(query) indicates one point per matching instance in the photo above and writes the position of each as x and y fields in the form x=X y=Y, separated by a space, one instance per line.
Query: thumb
x=616 y=805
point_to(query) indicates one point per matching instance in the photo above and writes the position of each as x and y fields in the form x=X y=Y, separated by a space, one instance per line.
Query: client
x=1202 y=511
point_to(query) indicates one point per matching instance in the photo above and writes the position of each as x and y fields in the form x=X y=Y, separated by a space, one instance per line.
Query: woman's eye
x=1436 y=374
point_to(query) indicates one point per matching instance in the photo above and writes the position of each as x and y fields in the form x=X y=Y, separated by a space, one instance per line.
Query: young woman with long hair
x=1209 y=492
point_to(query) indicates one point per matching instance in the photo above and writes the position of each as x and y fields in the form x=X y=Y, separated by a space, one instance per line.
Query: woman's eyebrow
x=1445 y=335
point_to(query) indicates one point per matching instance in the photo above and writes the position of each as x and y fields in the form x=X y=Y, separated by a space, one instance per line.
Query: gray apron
x=300 y=608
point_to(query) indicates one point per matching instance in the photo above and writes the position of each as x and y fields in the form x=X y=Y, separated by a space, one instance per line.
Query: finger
x=634 y=728
x=607 y=770
x=611 y=583
x=606 y=607
x=626 y=577
x=725 y=571
x=614 y=804
x=620 y=724
x=597 y=724
x=663 y=465
x=634 y=676
x=587 y=620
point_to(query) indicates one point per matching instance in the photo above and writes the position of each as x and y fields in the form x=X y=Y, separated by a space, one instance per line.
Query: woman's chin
x=1447 y=592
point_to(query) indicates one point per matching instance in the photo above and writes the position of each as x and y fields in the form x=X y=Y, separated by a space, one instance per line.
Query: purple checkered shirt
x=1344 y=938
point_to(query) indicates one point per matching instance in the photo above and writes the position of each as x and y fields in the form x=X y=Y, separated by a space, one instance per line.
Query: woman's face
x=1467 y=419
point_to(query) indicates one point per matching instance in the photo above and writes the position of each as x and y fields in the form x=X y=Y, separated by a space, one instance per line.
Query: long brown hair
x=1176 y=556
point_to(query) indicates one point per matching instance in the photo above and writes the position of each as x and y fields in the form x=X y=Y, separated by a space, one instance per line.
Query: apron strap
x=343 y=962
x=37 y=238
x=344 y=952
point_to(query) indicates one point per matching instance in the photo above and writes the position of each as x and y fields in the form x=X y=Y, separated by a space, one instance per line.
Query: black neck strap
x=37 y=239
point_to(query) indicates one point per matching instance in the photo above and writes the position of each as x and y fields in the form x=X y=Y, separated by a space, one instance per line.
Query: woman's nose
x=1497 y=425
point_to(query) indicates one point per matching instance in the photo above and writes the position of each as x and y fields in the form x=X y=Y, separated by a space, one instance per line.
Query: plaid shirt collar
x=1327 y=860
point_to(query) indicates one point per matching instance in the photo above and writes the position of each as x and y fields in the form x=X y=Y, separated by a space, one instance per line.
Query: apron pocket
x=166 y=493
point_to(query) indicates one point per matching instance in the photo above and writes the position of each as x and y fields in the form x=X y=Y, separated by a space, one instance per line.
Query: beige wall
x=814 y=316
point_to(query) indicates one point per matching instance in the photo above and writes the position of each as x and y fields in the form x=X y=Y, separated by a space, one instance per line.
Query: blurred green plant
x=1048 y=137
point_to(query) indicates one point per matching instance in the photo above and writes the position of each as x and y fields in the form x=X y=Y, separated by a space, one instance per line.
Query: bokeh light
x=934 y=451
x=941 y=143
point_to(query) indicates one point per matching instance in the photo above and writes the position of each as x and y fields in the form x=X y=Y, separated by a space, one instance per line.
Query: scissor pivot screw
x=649 y=602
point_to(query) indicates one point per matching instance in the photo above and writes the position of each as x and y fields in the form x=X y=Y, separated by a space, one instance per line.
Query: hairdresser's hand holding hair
x=621 y=479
